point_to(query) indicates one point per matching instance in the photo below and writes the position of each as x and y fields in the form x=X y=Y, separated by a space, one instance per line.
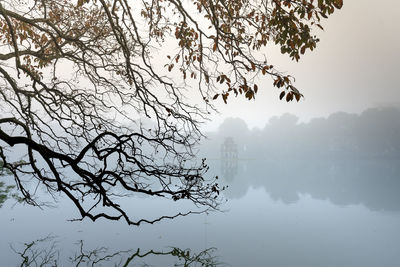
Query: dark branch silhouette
x=90 y=109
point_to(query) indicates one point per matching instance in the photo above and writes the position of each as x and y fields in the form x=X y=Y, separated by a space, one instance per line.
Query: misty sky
x=355 y=66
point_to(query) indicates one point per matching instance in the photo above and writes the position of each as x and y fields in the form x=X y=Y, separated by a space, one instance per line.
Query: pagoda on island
x=229 y=158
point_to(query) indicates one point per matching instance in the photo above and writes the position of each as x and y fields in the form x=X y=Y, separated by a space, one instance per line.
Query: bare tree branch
x=94 y=94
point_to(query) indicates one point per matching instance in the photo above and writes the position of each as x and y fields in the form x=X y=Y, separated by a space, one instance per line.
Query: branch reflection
x=45 y=252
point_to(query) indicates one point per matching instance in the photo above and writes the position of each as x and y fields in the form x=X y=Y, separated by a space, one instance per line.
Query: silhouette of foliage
x=78 y=77
x=5 y=192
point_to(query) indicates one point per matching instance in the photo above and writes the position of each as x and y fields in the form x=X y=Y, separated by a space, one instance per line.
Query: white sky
x=354 y=67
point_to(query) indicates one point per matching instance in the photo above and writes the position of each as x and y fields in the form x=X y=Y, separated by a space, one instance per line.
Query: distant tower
x=229 y=158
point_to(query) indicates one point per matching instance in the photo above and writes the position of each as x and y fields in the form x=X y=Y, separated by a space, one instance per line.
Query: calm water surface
x=279 y=213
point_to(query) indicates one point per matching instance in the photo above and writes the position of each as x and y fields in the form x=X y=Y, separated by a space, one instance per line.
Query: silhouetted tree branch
x=77 y=78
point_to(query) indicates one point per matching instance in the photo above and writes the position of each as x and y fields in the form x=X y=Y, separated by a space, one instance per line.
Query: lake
x=279 y=212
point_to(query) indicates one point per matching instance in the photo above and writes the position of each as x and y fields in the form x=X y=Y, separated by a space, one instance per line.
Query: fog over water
x=311 y=187
x=322 y=193
x=345 y=158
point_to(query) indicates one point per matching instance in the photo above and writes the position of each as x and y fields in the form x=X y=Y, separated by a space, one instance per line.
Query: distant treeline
x=375 y=133
x=348 y=159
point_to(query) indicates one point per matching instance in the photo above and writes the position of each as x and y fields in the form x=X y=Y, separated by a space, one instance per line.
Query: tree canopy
x=96 y=95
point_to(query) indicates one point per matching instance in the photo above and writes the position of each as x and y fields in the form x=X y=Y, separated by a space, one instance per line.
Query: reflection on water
x=44 y=252
x=320 y=214
x=323 y=194
x=346 y=158
x=372 y=183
